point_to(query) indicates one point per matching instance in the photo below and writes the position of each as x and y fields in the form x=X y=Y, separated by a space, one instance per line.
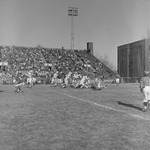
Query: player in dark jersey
x=18 y=82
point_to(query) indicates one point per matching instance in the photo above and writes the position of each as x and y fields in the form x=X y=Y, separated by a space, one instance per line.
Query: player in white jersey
x=145 y=89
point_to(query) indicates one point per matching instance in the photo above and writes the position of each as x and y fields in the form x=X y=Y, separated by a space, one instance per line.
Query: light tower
x=72 y=11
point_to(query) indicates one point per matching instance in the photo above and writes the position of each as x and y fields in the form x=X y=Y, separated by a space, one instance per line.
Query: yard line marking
x=104 y=106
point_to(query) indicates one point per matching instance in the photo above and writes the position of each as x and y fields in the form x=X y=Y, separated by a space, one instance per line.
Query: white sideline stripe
x=104 y=106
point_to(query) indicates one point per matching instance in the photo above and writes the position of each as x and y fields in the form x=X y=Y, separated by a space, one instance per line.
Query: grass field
x=52 y=118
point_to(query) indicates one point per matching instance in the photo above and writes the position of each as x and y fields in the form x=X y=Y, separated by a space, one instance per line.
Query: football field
x=54 y=118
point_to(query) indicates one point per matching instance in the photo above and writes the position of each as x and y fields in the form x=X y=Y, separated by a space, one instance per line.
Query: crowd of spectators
x=22 y=58
x=63 y=60
x=45 y=63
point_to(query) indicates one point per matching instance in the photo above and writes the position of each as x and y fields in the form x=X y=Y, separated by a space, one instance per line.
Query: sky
x=106 y=23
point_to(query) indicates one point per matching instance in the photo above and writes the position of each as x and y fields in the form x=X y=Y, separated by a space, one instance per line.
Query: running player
x=18 y=82
x=145 y=89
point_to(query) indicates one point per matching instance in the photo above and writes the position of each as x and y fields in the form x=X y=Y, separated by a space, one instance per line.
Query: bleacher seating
x=99 y=67
x=34 y=58
x=22 y=58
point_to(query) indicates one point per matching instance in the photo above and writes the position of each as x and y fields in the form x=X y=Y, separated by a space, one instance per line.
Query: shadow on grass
x=130 y=105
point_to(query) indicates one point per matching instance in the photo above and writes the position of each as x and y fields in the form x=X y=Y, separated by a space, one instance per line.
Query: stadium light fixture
x=72 y=11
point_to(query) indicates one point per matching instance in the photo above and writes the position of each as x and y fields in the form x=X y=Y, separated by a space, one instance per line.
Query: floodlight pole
x=72 y=11
x=72 y=32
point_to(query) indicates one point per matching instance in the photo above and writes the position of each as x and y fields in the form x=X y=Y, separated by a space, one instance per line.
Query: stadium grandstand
x=44 y=61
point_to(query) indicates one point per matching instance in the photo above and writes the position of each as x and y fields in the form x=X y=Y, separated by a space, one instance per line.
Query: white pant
x=117 y=81
x=20 y=84
x=146 y=93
